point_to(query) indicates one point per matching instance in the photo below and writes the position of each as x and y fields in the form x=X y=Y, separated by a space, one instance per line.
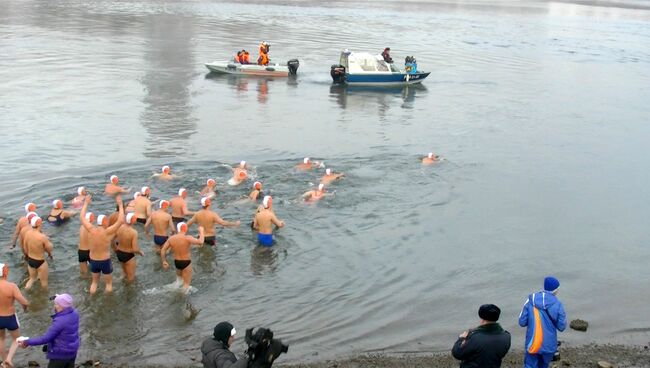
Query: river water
x=540 y=109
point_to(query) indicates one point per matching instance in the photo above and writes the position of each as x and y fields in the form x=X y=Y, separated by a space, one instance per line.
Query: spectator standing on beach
x=544 y=315
x=62 y=338
x=215 y=350
x=485 y=345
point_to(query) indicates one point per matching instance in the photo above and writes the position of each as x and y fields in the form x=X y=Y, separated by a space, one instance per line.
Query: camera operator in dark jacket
x=215 y=349
x=484 y=346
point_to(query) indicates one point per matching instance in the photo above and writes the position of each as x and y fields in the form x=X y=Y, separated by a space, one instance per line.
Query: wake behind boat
x=362 y=68
x=270 y=70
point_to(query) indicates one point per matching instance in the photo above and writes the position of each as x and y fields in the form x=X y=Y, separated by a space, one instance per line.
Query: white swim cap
x=114 y=179
x=205 y=201
x=306 y=160
x=181 y=227
x=328 y=171
x=145 y=190
x=81 y=190
x=2 y=269
x=130 y=218
x=57 y=204
x=101 y=219
x=36 y=221
x=267 y=201
x=30 y=207
x=430 y=155
x=136 y=195
x=165 y=169
x=30 y=215
x=242 y=164
x=321 y=187
x=89 y=216
x=163 y=204
x=182 y=192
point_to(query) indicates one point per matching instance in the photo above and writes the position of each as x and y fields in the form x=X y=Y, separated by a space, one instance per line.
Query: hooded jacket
x=62 y=338
x=215 y=354
x=544 y=315
x=484 y=347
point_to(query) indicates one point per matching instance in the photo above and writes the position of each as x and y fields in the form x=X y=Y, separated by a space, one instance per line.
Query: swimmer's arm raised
x=82 y=215
x=120 y=218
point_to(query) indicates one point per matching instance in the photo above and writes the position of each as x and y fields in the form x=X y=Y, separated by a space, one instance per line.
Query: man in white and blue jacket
x=544 y=315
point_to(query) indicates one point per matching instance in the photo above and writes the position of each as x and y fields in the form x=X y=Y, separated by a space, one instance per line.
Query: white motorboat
x=270 y=70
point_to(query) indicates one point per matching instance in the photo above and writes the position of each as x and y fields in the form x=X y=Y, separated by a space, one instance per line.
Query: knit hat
x=223 y=331
x=63 y=300
x=489 y=312
x=551 y=283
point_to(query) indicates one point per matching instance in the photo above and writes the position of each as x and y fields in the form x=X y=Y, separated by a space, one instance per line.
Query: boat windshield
x=365 y=62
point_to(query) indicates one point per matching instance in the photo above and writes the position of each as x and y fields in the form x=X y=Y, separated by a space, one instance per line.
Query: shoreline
x=571 y=356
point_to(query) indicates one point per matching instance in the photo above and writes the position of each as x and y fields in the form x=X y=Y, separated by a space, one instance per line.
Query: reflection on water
x=264 y=259
x=169 y=67
x=358 y=97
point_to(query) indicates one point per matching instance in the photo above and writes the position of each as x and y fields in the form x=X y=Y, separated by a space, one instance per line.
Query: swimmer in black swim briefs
x=141 y=221
x=83 y=255
x=35 y=263
x=124 y=256
x=182 y=264
x=210 y=240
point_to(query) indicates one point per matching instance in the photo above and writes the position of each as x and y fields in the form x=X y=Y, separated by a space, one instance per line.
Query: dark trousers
x=56 y=363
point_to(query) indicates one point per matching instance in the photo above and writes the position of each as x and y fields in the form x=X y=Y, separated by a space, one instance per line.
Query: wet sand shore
x=581 y=356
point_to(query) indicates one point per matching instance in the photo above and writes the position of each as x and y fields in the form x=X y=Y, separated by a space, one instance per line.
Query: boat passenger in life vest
x=237 y=58
x=243 y=59
x=386 y=55
x=263 y=59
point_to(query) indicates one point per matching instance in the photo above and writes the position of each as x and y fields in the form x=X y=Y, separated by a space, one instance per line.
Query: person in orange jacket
x=263 y=59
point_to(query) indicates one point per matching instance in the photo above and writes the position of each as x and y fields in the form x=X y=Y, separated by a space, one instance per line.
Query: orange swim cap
x=211 y=182
x=164 y=204
x=30 y=207
x=242 y=174
x=114 y=179
x=205 y=201
x=181 y=227
x=57 y=204
x=130 y=218
x=257 y=185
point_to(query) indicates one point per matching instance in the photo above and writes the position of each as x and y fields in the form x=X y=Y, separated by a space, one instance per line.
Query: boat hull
x=274 y=70
x=385 y=79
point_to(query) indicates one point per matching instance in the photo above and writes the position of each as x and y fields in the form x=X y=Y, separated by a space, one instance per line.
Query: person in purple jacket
x=62 y=338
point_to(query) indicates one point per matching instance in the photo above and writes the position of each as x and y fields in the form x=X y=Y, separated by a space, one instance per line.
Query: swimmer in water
x=430 y=159
x=314 y=195
x=21 y=223
x=179 y=207
x=256 y=193
x=209 y=189
x=99 y=238
x=78 y=201
x=142 y=206
x=180 y=244
x=83 y=252
x=162 y=225
x=307 y=164
x=207 y=219
x=127 y=247
x=330 y=176
x=58 y=215
x=23 y=233
x=8 y=321
x=239 y=174
x=263 y=222
x=36 y=245
x=130 y=207
x=164 y=174
x=112 y=188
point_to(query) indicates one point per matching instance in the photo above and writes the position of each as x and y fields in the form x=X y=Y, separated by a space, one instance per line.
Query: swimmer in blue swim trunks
x=263 y=222
x=8 y=320
x=99 y=239
x=162 y=225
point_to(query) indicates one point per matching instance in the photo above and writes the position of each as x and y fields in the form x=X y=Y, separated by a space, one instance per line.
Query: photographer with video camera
x=262 y=351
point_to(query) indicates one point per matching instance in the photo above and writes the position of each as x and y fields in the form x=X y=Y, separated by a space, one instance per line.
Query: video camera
x=263 y=349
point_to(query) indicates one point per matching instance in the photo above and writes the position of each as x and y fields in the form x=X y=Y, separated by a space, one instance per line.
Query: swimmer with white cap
x=99 y=239
x=180 y=244
x=314 y=194
x=162 y=224
x=112 y=188
x=21 y=223
x=307 y=164
x=179 y=206
x=207 y=219
x=36 y=245
x=263 y=222
x=83 y=251
x=431 y=158
x=330 y=176
x=23 y=233
x=209 y=190
x=239 y=174
x=58 y=216
x=130 y=207
x=127 y=247
x=142 y=206
x=164 y=174
x=78 y=200
x=256 y=193
x=8 y=321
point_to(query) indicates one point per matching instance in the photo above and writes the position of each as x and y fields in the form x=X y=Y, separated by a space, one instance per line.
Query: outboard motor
x=293 y=65
x=338 y=73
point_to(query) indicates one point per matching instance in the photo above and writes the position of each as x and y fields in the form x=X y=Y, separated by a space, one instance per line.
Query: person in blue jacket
x=62 y=338
x=543 y=315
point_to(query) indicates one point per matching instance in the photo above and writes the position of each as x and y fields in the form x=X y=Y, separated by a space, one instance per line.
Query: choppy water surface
x=541 y=110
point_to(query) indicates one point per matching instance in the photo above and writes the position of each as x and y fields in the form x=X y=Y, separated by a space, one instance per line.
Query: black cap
x=223 y=331
x=489 y=312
